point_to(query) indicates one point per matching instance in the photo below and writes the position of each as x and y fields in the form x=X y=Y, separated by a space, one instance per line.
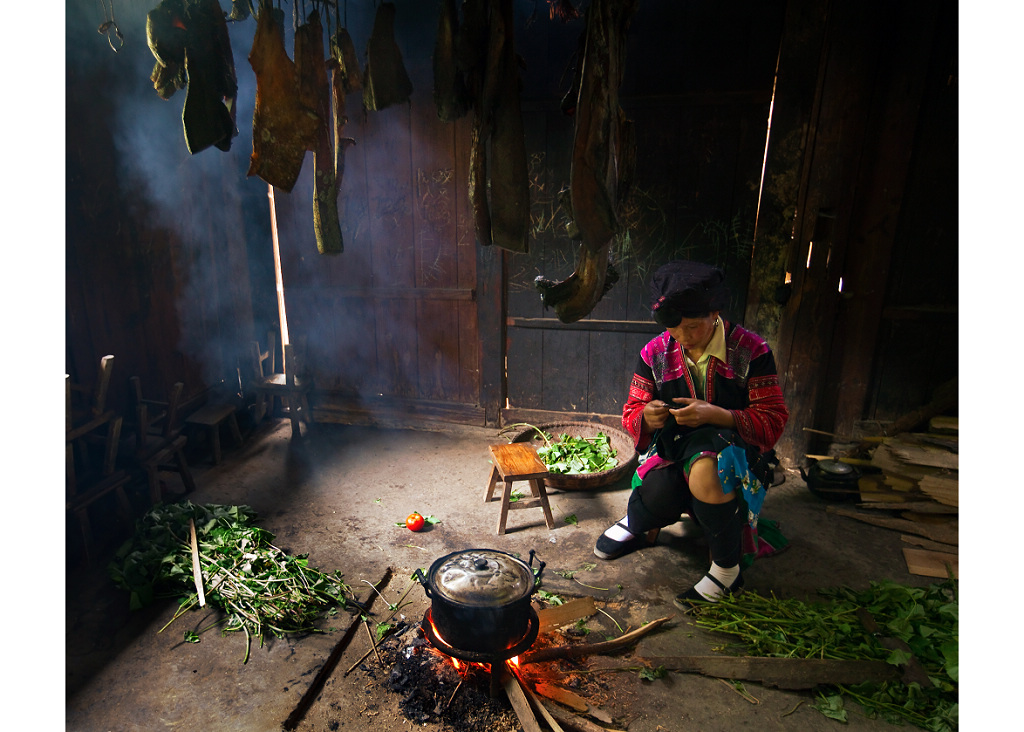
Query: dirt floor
x=336 y=494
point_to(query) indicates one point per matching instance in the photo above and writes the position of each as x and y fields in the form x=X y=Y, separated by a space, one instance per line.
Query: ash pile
x=434 y=690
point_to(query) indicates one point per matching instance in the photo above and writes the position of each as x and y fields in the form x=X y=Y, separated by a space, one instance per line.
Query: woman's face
x=694 y=333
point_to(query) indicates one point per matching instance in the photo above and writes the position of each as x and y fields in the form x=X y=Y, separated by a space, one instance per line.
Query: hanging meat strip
x=189 y=39
x=283 y=128
x=480 y=46
x=314 y=91
x=345 y=79
x=386 y=81
x=499 y=186
x=510 y=180
x=209 y=112
x=603 y=151
x=451 y=97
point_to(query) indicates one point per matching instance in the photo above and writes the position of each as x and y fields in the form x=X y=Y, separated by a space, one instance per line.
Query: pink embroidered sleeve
x=641 y=391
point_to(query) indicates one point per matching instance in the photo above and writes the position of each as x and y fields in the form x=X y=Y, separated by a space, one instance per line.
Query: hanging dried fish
x=386 y=81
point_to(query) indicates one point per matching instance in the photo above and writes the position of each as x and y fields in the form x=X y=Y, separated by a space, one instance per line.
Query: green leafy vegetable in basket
x=579 y=455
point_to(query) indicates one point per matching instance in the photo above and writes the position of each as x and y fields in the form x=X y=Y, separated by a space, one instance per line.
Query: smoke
x=207 y=198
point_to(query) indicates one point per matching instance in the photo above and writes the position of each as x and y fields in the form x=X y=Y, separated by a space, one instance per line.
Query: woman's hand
x=696 y=412
x=656 y=414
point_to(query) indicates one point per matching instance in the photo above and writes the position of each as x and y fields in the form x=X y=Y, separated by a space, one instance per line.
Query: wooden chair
x=87 y=410
x=291 y=386
x=85 y=485
x=261 y=363
x=90 y=402
x=159 y=442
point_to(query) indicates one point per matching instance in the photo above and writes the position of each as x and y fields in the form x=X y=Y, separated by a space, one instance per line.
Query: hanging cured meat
x=386 y=81
x=345 y=79
x=499 y=186
x=189 y=39
x=283 y=126
x=315 y=91
x=451 y=97
x=602 y=157
x=509 y=176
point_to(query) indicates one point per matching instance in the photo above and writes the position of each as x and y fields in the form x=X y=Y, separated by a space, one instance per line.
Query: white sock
x=617 y=533
x=726 y=576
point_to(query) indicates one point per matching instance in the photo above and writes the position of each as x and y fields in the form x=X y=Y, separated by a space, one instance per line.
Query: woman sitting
x=704 y=409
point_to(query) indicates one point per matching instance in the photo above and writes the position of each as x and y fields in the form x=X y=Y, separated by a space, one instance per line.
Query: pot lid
x=835 y=467
x=483 y=577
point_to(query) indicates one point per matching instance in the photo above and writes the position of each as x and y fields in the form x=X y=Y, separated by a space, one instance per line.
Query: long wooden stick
x=521 y=705
x=782 y=673
x=317 y=686
x=572 y=721
x=541 y=709
x=197 y=574
x=589 y=649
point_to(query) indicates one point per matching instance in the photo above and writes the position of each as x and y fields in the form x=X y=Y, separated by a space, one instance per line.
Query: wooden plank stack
x=912 y=487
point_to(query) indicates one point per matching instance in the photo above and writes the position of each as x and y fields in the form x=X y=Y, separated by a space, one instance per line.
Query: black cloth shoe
x=686 y=601
x=607 y=548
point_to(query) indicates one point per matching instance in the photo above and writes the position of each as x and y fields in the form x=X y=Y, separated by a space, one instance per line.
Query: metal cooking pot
x=833 y=480
x=480 y=598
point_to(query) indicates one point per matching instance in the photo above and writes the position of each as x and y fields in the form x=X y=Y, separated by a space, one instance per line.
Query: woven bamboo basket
x=620 y=440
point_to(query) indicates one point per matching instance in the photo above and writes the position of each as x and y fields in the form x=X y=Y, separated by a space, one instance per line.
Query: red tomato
x=414 y=521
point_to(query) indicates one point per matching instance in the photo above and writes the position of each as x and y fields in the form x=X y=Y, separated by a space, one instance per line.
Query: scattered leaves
x=652 y=674
x=550 y=597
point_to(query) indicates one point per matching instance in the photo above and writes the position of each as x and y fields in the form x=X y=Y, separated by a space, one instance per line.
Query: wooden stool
x=210 y=418
x=518 y=461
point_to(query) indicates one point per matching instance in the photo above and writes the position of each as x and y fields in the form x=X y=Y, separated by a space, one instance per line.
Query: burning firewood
x=591 y=649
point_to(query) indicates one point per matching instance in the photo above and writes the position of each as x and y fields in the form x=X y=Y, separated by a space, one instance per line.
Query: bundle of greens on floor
x=925 y=618
x=258 y=587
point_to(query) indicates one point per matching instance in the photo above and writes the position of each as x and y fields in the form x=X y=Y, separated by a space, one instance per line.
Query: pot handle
x=418 y=574
x=540 y=568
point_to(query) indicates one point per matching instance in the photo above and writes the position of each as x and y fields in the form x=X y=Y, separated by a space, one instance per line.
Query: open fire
x=496 y=662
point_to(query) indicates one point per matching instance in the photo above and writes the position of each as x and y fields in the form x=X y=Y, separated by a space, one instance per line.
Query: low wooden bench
x=513 y=462
x=209 y=419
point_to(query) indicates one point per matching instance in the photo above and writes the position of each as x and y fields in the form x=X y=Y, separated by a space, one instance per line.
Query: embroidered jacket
x=746 y=383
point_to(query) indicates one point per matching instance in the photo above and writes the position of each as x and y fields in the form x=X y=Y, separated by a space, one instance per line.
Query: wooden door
x=391 y=322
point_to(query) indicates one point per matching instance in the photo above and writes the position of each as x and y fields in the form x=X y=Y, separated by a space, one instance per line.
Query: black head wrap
x=684 y=289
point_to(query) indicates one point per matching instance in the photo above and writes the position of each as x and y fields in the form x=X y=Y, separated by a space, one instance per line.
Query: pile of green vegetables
x=573 y=455
x=260 y=588
x=926 y=619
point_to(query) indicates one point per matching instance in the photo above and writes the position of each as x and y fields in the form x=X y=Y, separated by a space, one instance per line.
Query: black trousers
x=664 y=496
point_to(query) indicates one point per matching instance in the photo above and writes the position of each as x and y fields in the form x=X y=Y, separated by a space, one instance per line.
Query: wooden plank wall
x=862 y=128
x=156 y=241
x=700 y=112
